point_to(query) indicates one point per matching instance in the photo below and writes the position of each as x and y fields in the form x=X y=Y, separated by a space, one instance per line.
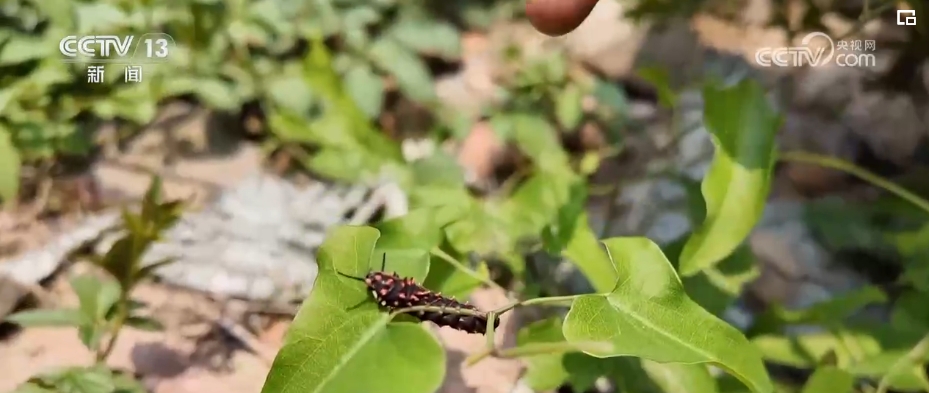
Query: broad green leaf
x=445 y=278
x=585 y=251
x=350 y=165
x=423 y=228
x=96 y=296
x=428 y=36
x=681 y=378
x=23 y=48
x=830 y=379
x=539 y=140
x=406 y=67
x=9 y=167
x=36 y=318
x=642 y=317
x=483 y=230
x=439 y=169
x=342 y=118
x=217 y=93
x=289 y=91
x=743 y=126
x=420 y=228
x=366 y=88
x=341 y=341
x=568 y=109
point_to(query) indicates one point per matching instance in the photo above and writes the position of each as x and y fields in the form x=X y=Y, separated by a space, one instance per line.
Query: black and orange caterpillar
x=394 y=293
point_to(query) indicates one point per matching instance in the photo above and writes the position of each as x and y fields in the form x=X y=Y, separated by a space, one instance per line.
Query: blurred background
x=276 y=120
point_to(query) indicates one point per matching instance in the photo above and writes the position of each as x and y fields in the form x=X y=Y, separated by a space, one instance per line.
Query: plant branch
x=861 y=173
x=912 y=358
x=553 y=348
x=122 y=313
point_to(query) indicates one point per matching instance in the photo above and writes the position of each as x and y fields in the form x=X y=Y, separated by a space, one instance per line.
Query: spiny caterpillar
x=394 y=292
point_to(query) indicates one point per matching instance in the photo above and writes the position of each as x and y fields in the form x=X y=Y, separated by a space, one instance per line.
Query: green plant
x=105 y=304
x=636 y=311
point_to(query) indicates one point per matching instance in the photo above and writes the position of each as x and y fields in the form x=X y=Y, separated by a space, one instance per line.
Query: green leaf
x=38 y=318
x=409 y=70
x=96 y=296
x=643 y=314
x=366 y=88
x=427 y=36
x=93 y=379
x=144 y=323
x=584 y=250
x=568 y=109
x=9 y=167
x=681 y=378
x=19 y=49
x=439 y=169
x=291 y=92
x=347 y=165
x=539 y=140
x=217 y=93
x=716 y=288
x=483 y=230
x=445 y=278
x=91 y=335
x=743 y=126
x=340 y=335
x=830 y=379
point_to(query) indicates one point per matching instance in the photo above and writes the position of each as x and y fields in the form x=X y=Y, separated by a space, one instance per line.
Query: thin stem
x=552 y=348
x=464 y=269
x=122 y=313
x=490 y=349
x=551 y=300
x=912 y=358
x=861 y=173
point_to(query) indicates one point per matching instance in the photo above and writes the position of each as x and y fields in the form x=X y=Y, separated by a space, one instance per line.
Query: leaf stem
x=861 y=173
x=115 y=328
x=464 y=269
x=913 y=357
x=551 y=348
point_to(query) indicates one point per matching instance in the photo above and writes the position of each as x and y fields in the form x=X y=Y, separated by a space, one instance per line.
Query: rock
x=11 y=292
x=796 y=271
